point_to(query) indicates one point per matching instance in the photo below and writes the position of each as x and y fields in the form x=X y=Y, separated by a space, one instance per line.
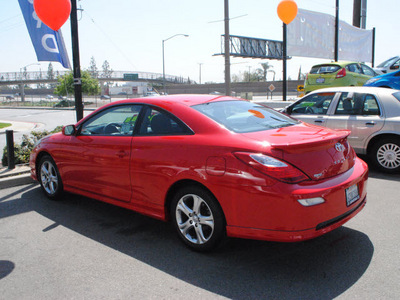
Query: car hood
x=318 y=152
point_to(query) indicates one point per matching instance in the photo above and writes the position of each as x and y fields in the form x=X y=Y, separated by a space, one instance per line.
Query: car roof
x=336 y=63
x=183 y=99
x=357 y=89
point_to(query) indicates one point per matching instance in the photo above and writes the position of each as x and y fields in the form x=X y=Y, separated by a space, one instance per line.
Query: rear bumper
x=275 y=214
x=295 y=236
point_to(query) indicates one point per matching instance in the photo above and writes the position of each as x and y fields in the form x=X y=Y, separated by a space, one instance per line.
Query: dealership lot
x=82 y=248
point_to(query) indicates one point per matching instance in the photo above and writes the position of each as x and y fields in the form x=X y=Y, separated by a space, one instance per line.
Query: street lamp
x=22 y=84
x=163 y=59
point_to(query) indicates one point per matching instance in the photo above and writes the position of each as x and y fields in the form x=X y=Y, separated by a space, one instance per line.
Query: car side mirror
x=69 y=130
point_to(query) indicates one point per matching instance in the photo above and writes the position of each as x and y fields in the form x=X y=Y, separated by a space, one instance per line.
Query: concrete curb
x=16 y=180
x=20 y=175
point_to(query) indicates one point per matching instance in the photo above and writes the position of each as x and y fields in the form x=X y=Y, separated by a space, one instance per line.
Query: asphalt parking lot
x=80 y=248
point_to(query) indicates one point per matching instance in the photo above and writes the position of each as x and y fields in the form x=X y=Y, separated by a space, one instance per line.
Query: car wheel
x=49 y=178
x=198 y=218
x=385 y=155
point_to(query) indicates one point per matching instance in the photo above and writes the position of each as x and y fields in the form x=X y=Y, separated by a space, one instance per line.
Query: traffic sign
x=271 y=88
x=128 y=76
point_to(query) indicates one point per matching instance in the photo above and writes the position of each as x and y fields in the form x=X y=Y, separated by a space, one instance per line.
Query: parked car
x=65 y=103
x=389 y=80
x=49 y=97
x=390 y=65
x=214 y=165
x=337 y=74
x=9 y=97
x=372 y=115
x=105 y=97
x=151 y=94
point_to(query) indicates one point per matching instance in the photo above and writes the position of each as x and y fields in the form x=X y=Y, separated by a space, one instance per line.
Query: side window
x=114 y=121
x=353 y=68
x=357 y=104
x=396 y=65
x=371 y=106
x=315 y=104
x=159 y=122
x=346 y=104
x=368 y=71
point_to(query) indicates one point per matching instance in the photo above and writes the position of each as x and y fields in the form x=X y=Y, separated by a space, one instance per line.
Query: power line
x=109 y=38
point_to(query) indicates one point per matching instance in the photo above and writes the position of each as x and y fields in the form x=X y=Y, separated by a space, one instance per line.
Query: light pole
x=22 y=84
x=200 y=72
x=163 y=57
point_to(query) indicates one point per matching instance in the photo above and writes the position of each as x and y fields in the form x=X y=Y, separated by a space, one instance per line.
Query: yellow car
x=337 y=74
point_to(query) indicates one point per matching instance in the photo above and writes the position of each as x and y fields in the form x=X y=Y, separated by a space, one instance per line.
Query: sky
x=129 y=34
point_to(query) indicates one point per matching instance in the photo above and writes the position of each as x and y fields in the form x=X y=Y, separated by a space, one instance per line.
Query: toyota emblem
x=339 y=147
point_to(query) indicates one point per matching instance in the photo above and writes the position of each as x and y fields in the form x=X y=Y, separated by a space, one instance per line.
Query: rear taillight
x=272 y=167
x=341 y=73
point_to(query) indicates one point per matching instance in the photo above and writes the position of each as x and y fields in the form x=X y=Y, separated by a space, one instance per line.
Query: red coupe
x=215 y=166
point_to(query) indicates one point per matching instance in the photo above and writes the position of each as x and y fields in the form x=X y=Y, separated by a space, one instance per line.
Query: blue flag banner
x=48 y=44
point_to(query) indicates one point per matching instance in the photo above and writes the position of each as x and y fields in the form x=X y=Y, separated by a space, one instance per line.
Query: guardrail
x=40 y=76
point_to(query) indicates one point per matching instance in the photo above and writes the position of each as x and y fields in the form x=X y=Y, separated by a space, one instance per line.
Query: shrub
x=23 y=150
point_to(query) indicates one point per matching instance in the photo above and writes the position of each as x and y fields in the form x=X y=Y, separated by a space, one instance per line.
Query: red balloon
x=53 y=13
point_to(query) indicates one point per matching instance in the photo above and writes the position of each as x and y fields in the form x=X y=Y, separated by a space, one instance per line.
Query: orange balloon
x=53 y=13
x=287 y=11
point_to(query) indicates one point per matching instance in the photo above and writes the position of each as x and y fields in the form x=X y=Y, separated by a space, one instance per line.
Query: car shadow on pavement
x=318 y=269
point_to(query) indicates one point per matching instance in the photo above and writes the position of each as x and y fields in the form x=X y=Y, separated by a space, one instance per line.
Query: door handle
x=370 y=123
x=319 y=121
x=121 y=153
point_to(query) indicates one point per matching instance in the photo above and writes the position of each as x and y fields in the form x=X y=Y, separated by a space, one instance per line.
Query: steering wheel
x=309 y=110
x=112 y=128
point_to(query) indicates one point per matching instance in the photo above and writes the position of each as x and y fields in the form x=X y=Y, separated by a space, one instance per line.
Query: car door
x=97 y=158
x=313 y=108
x=160 y=149
x=360 y=113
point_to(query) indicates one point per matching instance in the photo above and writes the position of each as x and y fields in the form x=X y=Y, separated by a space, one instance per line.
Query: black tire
x=49 y=178
x=385 y=155
x=198 y=218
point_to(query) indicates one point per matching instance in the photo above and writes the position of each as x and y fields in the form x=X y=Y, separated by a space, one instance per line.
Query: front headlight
x=372 y=80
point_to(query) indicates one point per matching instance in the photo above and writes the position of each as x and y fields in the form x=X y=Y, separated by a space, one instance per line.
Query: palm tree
x=265 y=67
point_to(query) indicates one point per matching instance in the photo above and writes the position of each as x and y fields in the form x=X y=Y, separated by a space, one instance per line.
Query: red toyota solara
x=215 y=166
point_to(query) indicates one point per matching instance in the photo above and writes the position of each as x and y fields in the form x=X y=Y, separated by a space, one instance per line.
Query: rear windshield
x=244 y=116
x=397 y=95
x=324 y=69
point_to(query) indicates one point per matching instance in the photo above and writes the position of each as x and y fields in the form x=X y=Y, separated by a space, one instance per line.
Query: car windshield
x=244 y=116
x=387 y=63
x=324 y=69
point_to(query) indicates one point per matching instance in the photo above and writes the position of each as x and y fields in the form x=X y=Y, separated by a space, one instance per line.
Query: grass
x=4 y=125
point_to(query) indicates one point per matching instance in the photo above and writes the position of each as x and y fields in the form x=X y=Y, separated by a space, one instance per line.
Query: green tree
x=50 y=74
x=65 y=85
x=93 y=68
x=106 y=73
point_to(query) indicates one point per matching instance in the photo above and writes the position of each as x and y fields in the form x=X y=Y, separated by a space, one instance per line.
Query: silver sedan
x=372 y=115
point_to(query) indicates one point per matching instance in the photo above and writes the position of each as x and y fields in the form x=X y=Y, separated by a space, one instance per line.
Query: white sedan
x=372 y=114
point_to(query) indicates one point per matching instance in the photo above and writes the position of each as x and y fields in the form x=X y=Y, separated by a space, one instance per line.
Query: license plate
x=352 y=194
x=320 y=80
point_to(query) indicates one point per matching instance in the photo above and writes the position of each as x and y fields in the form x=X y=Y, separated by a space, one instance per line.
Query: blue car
x=389 y=80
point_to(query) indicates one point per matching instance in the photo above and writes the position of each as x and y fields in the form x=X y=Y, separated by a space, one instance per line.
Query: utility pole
x=284 y=58
x=76 y=62
x=227 y=51
x=337 y=32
